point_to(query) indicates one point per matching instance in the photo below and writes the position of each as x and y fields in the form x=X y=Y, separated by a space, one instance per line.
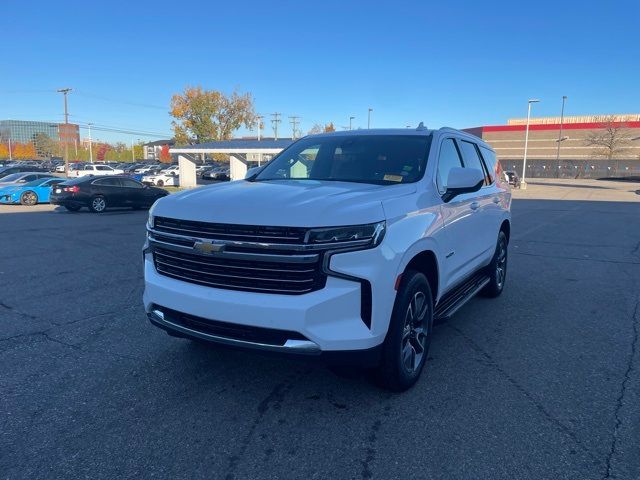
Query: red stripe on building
x=553 y=126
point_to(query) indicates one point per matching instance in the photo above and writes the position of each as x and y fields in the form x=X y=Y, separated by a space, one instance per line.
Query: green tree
x=47 y=146
x=209 y=115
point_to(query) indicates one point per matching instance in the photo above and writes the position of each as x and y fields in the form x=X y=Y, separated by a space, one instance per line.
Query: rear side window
x=449 y=158
x=493 y=166
x=471 y=158
x=107 y=182
x=102 y=167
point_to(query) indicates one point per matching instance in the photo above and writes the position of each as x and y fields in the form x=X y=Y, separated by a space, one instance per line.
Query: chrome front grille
x=240 y=274
x=224 y=231
x=243 y=260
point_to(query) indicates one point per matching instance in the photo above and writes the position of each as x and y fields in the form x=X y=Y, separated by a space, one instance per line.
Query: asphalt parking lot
x=541 y=383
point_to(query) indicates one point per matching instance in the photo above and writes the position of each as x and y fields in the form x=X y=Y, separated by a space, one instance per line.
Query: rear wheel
x=406 y=347
x=29 y=198
x=98 y=204
x=497 y=269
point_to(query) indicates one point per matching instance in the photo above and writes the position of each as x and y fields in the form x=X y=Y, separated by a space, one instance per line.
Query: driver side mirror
x=462 y=180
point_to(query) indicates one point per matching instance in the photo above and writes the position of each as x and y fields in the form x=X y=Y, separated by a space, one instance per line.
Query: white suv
x=95 y=169
x=346 y=246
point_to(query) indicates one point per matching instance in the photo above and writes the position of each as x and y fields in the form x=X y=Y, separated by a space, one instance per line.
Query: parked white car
x=95 y=169
x=145 y=169
x=162 y=180
x=172 y=169
x=346 y=247
x=60 y=168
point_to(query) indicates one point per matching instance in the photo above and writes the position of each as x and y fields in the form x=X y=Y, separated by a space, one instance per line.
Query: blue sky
x=459 y=64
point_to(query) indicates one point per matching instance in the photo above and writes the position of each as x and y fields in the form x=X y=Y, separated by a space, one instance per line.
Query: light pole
x=90 y=142
x=350 y=120
x=369 y=118
x=523 y=183
x=10 y=156
x=65 y=92
x=564 y=99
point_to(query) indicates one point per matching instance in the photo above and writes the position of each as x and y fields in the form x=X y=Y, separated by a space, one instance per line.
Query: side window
x=127 y=182
x=107 y=182
x=493 y=167
x=448 y=159
x=471 y=158
x=29 y=178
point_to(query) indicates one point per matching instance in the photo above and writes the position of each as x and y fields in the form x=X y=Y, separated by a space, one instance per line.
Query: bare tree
x=317 y=128
x=611 y=140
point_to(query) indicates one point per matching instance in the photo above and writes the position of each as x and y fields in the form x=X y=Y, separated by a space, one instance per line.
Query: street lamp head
x=533 y=100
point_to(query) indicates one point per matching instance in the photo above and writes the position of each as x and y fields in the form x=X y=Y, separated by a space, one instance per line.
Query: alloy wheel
x=414 y=334
x=501 y=263
x=98 y=204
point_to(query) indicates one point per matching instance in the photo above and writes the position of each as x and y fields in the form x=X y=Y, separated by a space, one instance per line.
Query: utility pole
x=564 y=99
x=350 y=122
x=10 y=156
x=275 y=121
x=64 y=92
x=294 y=126
x=259 y=118
x=133 y=155
x=90 y=142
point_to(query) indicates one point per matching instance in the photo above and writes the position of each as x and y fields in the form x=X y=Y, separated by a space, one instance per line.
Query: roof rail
x=449 y=129
x=421 y=127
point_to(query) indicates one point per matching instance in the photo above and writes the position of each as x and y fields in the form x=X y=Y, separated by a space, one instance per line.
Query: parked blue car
x=30 y=193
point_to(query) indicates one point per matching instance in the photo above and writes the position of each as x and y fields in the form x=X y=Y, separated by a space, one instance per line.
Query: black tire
x=98 y=204
x=497 y=269
x=29 y=198
x=410 y=330
x=160 y=183
x=72 y=208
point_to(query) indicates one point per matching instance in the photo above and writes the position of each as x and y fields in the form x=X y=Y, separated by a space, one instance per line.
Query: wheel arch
x=426 y=262
x=506 y=228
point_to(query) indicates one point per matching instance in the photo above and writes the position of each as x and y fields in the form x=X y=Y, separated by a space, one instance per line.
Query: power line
x=275 y=121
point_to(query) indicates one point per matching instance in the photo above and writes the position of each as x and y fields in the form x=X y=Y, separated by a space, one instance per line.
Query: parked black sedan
x=102 y=192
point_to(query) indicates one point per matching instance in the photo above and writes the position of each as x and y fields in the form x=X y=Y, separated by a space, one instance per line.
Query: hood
x=293 y=203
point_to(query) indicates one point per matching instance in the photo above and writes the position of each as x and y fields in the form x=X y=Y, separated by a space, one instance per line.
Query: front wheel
x=160 y=183
x=29 y=198
x=98 y=204
x=497 y=269
x=405 y=350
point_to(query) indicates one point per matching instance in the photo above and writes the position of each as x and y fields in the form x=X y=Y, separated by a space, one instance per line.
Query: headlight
x=368 y=235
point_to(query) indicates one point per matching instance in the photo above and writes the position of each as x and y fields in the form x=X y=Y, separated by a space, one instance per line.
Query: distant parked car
x=96 y=169
x=30 y=193
x=24 y=177
x=8 y=170
x=220 y=173
x=513 y=178
x=162 y=179
x=100 y=193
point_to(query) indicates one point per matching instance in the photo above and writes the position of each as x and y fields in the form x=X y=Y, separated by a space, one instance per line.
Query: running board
x=452 y=301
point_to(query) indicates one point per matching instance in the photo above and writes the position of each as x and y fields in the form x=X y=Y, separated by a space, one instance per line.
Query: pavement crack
x=272 y=401
x=635 y=319
x=372 y=440
x=493 y=364
x=584 y=259
x=17 y=312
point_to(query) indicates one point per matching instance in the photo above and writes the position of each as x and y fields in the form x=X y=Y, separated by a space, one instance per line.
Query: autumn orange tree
x=23 y=151
x=4 y=151
x=209 y=115
x=329 y=127
x=165 y=156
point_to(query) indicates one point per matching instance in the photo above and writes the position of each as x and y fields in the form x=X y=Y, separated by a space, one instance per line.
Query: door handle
x=496 y=199
x=474 y=205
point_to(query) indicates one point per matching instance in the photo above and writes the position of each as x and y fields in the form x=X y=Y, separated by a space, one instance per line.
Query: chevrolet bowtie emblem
x=208 y=248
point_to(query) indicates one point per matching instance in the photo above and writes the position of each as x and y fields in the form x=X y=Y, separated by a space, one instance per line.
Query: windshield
x=379 y=159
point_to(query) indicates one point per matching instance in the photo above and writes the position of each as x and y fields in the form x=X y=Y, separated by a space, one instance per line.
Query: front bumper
x=328 y=320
